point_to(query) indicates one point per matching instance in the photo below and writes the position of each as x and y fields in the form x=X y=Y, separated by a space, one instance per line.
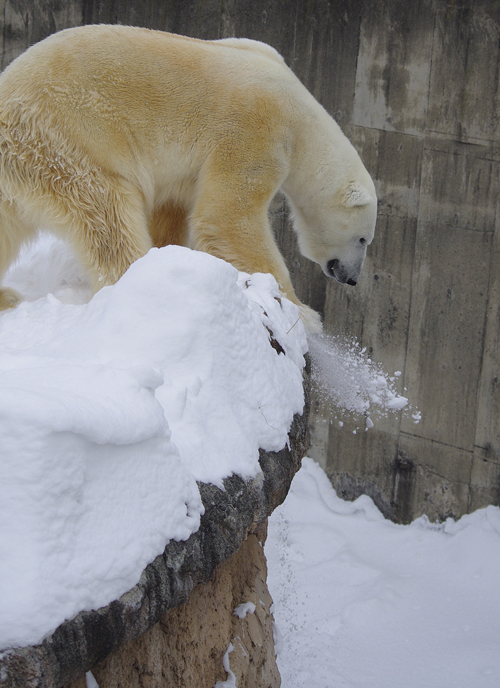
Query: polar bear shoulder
x=254 y=46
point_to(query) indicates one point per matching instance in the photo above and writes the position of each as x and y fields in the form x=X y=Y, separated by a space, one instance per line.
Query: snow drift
x=360 y=601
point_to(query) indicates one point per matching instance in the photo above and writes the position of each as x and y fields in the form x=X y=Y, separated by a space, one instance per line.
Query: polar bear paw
x=311 y=320
x=9 y=298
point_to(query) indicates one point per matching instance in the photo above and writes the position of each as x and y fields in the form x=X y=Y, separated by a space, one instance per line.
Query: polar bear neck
x=320 y=151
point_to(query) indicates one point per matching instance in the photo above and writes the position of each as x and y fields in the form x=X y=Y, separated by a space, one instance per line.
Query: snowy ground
x=361 y=602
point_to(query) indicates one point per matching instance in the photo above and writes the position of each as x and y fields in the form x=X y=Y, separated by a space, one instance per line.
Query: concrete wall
x=415 y=85
x=424 y=116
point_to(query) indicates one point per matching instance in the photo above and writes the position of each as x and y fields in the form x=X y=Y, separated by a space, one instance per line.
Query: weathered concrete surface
x=416 y=87
x=231 y=514
x=425 y=121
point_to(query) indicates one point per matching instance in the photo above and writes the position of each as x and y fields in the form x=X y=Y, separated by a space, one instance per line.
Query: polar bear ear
x=356 y=195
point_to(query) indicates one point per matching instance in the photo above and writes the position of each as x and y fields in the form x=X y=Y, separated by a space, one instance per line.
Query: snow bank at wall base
x=362 y=602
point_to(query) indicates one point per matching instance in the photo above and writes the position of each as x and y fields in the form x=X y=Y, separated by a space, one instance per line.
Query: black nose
x=335 y=269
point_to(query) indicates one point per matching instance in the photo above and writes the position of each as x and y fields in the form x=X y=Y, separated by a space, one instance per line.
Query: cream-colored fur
x=121 y=138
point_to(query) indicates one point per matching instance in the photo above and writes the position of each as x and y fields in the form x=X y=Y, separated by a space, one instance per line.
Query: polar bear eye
x=362 y=241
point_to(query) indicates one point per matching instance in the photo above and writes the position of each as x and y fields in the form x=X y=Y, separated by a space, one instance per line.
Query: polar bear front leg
x=231 y=222
x=9 y=298
x=250 y=247
x=13 y=233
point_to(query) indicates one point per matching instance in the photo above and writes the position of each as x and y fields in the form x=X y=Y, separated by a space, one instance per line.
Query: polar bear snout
x=334 y=268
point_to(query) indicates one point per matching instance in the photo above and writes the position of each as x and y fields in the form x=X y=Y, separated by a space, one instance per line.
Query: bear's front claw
x=9 y=298
x=311 y=320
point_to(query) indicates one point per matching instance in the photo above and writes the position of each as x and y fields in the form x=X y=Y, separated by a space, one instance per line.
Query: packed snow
x=230 y=682
x=243 y=609
x=112 y=408
x=361 y=602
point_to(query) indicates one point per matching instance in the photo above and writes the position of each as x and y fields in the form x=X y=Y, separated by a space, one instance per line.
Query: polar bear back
x=136 y=95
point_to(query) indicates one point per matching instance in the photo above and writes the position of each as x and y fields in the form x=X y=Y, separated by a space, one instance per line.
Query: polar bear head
x=335 y=233
x=334 y=230
x=333 y=200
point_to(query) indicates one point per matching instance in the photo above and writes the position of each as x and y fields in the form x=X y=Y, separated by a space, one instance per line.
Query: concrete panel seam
x=437 y=442
x=443 y=223
x=470 y=140
x=493 y=157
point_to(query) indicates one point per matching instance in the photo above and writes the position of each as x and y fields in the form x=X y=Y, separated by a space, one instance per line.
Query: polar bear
x=120 y=138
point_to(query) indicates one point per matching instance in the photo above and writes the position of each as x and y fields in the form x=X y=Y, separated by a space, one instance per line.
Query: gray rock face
x=230 y=515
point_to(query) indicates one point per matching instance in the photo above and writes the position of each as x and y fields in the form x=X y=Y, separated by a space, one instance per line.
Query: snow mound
x=111 y=410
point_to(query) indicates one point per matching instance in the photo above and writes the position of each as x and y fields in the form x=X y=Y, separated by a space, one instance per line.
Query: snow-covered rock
x=112 y=410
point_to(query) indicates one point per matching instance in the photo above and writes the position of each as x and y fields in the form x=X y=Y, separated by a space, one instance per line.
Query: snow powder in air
x=345 y=376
